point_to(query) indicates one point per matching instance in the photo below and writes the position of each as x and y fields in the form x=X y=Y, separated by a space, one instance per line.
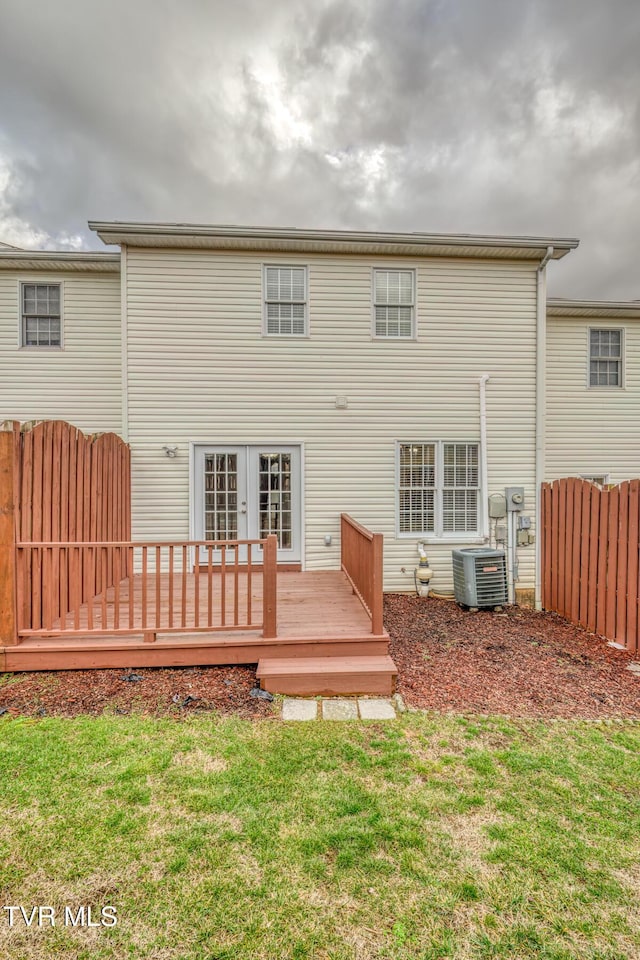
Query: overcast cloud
x=478 y=116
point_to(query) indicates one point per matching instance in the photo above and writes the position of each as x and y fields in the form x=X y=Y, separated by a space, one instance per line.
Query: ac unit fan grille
x=491 y=584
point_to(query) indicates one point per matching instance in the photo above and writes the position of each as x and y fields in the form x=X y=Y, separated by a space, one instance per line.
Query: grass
x=430 y=837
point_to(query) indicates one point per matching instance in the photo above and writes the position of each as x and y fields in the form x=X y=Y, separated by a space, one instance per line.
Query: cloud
x=451 y=115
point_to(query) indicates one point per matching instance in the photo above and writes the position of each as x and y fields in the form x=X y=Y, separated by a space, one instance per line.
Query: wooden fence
x=58 y=485
x=589 y=556
x=361 y=561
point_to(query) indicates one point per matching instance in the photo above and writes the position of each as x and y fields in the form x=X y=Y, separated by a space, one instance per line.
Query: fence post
x=8 y=631
x=376 y=585
x=269 y=587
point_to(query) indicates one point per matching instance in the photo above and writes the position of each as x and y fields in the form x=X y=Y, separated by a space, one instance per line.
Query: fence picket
x=631 y=637
x=555 y=551
x=562 y=550
x=621 y=578
x=584 y=533
x=576 y=551
x=612 y=563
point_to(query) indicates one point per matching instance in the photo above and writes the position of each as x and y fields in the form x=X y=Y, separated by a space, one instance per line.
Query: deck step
x=328 y=676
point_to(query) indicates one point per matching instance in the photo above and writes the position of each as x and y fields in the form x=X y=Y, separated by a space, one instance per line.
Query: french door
x=247 y=492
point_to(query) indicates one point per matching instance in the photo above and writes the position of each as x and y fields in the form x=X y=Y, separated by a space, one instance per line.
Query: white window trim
x=608 y=387
x=382 y=268
x=438 y=535
x=49 y=281
x=285 y=336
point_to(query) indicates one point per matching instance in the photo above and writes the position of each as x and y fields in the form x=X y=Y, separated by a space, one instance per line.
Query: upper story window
x=605 y=358
x=439 y=488
x=394 y=303
x=40 y=315
x=285 y=301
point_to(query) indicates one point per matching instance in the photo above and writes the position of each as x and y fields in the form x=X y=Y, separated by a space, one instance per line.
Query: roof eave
x=59 y=260
x=278 y=238
x=613 y=309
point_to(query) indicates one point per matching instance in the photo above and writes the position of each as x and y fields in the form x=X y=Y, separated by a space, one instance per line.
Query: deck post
x=8 y=493
x=376 y=586
x=269 y=587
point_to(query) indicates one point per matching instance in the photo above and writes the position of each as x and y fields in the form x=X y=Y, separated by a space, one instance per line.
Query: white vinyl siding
x=201 y=371
x=41 y=315
x=605 y=358
x=285 y=300
x=590 y=431
x=81 y=383
x=393 y=303
x=439 y=489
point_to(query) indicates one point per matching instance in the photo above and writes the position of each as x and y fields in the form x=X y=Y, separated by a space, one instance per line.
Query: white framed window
x=285 y=301
x=605 y=357
x=601 y=479
x=40 y=314
x=439 y=489
x=394 y=304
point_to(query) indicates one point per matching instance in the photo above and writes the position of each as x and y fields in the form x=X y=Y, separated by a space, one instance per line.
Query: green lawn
x=424 y=838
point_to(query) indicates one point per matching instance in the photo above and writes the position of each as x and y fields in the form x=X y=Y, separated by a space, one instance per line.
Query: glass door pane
x=221 y=496
x=275 y=506
x=275 y=498
x=221 y=499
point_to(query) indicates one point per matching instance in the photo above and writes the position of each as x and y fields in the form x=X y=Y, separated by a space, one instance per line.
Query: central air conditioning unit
x=480 y=577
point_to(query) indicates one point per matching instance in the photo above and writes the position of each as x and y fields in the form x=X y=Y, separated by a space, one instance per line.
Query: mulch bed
x=519 y=662
x=175 y=692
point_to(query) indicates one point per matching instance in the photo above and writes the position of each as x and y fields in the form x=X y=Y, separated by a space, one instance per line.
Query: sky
x=500 y=117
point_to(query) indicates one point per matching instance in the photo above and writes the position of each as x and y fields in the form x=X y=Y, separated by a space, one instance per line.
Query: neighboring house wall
x=200 y=370
x=81 y=382
x=591 y=430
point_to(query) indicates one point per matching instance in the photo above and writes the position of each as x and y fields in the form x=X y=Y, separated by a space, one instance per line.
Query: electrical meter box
x=515 y=498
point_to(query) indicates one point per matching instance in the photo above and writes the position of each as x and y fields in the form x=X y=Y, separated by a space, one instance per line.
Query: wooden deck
x=318 y=615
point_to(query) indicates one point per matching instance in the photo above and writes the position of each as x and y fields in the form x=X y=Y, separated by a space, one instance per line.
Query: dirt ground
x=518 y=662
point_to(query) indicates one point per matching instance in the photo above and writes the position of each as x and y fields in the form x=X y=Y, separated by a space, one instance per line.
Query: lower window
x=438 y=488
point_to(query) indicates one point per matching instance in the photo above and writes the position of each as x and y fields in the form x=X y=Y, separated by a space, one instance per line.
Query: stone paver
x=634 y=667
x=299 y=709
x=376 y=710
x=339 y=710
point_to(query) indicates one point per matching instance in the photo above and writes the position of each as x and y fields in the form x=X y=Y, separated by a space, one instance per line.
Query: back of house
x=269 y=380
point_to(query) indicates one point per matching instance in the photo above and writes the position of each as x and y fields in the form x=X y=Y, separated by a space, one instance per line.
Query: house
x=593 y=390
x=268 y=380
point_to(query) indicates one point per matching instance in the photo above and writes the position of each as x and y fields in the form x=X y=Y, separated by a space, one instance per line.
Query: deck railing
x=361 y=561
x=126 y=587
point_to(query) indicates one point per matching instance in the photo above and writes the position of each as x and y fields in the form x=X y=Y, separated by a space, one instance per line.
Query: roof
x=14 y=259
x=8 y=246
x=615 y=309
x=282 y=239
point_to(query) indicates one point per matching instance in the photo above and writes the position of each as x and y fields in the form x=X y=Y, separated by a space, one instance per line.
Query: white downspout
x=124 y=344
x=541 y=394
x=484 y=471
